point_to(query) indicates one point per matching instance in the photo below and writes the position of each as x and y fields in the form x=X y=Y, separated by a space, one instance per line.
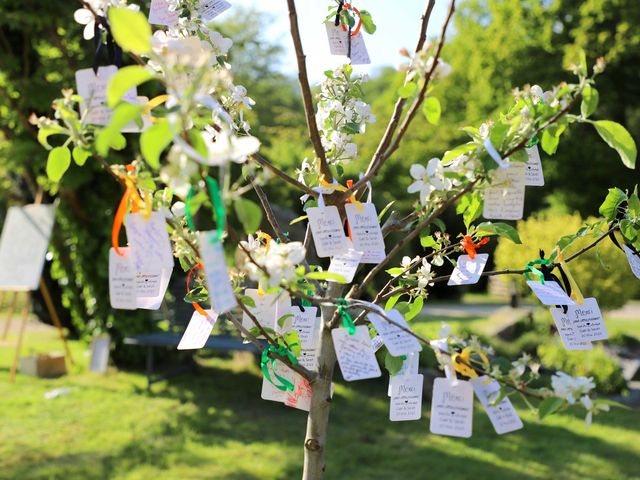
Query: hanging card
x=634 y=261
x=198 y=330
x=269 y=390
x=377 y=342
x=588 y=321
x=159 y=14
x=468 y=271
x=366 y=233
x=154 y=302
x=346 y=264
x=269 y=307
x=93 y=89
x=307 y=323
x=451 y=408
x=398 y=341
x=409 y=367
x=569 y=334
x=327 y=231
x=503 y=416
x=300 y=398
x=359 y=53
x=550 y=293
x=210 y=9
x=149 y=242
x=309 y=358
x=355 y=354
x=533 y=174
x=504 y=199
x=216 y=272
x=406 y=398
x=338 y=39
x=122 y=280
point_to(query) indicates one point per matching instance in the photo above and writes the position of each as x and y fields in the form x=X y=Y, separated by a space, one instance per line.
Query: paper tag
x=305 y=322
x=346 y=264
x=210 y=9
x=93 y=89
x=216 y=272
x=269 y=391
x=269 y=307
x=452 y=408
x=550 y=293
x=504 y=199
x=366 y=233
x=148 y=283
x=154 y=302
x=149 y=242
x=503 y=416
x=339 y=44
x=300 y=398
x=377 y=342
x=406 y=398
x=359 y=53
x=533 y=174
x=326 y=228
x=122 y=280
x=198 y=330
x=568 y=332
x=468 y=271
x=355 y=354
x=409 y=367
x=398 y=341
x=634 y=261
x=309 y=358
x=588 y=321
x=159 y=13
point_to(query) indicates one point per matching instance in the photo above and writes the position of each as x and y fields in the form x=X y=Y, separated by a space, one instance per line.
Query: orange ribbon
x=130 y=194
x=357 y=29
x=195 y=305
x=470 y=247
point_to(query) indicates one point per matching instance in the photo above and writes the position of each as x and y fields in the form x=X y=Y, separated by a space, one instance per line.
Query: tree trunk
x=318 y=421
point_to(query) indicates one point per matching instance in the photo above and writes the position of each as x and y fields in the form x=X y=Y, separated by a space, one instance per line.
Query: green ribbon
x=307 y=303
x=531 y=271
x=347 y=321
x=219 y=216
x=266 y=360
x=532 y=142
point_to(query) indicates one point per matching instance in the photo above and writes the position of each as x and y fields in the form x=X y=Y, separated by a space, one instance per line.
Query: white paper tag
x=210 y=9
x=468 y=271
x=550 y=293
x=305 y=322
x=93 y=89
x=377 y=342
x=216 y=272
x=452 y=408
x=149 y=241
x=359 y=53
x=568 y=332
x=198 y=330
x=346 y=264
x=122 y=280
x=327 y=231
x=634 y=261
x=339 y=44
x=148 y=283
x=588 y=321
x=406 y=398
x=504 y=199
x=269 y=390
x=366 y=233
x=309 y=358
x=533 y=174
x=154 y=302
x=409 y=367
x=269 y=307
x=300 y=398
x=355 y=354
x=398 y=341
x=503 y=416
x=159 y=13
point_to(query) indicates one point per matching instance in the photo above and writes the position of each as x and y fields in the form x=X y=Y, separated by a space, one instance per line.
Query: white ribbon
x=491 y=150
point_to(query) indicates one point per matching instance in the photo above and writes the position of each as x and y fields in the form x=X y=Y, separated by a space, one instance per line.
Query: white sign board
x=23 y=246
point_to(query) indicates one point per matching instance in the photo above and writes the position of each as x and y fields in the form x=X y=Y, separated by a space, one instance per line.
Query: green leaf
x=407 y=90
x=58 y=162
x=299 y=219
x=248 y=301
x=131 y=30
x=110 y=136
x=551 y=138
x=249 y=214
x=392 y=364
x=487 y=229
x=426 y=240
x=124 y=80
x=326 y=276
x=611 y=403
x=367 y=22
x=432 y=110
x=618 y=138
x=457 y=151
x=153 y=141
x=609 y=208
x=392 y=301
x=548 y=406
x=45 y=132
x=628 y=229
x=471 y=208
x=414 y=309
x=80 y=155
x=385 y=210
x=590 y=98
x=634 y=206
x=283 y=319
x=395 y=271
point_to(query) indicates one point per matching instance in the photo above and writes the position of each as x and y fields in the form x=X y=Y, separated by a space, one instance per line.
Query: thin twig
x=267 y=164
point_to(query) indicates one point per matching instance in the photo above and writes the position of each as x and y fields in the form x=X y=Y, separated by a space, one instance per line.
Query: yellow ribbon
x=462 y=362
x=576 y=294
x=153 y=103
x=340 y=188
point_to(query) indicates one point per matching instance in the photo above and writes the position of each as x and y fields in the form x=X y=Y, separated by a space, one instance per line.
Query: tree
x=200 y=121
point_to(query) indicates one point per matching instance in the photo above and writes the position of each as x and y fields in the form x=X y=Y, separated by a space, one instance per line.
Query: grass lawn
x=215 y=426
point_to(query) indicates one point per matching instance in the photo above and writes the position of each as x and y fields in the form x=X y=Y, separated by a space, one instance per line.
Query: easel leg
x=23 y=324
x=10 y=312
x=54 y=317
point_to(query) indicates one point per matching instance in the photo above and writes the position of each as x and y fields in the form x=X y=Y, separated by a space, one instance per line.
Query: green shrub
x=602 y=272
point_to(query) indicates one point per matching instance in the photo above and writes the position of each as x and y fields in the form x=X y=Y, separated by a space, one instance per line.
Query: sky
x=397 y=21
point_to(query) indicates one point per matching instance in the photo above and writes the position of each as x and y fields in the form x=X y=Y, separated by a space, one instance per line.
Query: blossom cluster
x=270 y=262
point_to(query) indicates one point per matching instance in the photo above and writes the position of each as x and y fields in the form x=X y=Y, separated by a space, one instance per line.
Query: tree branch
x=299 y=185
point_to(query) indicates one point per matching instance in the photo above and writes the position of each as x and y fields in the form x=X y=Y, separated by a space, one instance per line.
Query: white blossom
x=428 y=179
x=571 y=388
